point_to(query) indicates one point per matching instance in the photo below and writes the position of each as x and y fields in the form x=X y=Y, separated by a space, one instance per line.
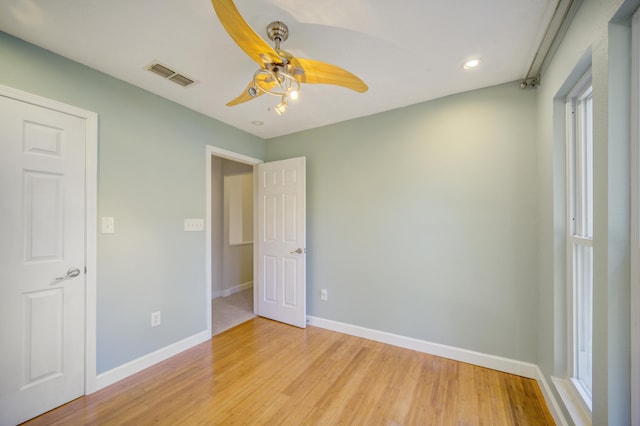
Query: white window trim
x=573 y=396
x=635 y=220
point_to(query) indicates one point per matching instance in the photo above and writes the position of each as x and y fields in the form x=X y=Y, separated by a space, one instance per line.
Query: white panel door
x=281 y=241
x=42 y=251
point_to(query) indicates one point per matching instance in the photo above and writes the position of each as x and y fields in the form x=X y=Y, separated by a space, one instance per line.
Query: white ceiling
x=406 y=51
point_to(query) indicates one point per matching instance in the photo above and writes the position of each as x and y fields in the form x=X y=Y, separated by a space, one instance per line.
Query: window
x=580 y=236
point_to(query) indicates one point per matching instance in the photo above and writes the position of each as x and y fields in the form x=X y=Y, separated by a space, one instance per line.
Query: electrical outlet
x=155 y=319
x=323 y=294
x=191 y=225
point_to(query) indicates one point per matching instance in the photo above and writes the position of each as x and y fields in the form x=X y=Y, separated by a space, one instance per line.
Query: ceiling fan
x=280 y=73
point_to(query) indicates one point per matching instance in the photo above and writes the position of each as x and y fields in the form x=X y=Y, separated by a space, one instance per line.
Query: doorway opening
x=232 y=243
x=230 y=236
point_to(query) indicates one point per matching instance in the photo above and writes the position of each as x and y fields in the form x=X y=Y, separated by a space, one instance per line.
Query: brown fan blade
x=316 y=72
x=244 y=36
x=245 y=96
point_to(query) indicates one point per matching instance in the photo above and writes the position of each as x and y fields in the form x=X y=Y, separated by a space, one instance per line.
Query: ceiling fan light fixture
x=281 y=107
x=283 y=83
x=293 y=94
x=276 y=81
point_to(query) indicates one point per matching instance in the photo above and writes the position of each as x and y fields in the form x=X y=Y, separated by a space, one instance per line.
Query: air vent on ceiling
x=166 y=72
x=181 y=80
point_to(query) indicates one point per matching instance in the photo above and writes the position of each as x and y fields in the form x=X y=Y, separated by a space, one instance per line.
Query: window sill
x=575 y=407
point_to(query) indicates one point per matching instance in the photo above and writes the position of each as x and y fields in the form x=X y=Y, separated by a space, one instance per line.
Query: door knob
x=299 y=251
x=71 y=273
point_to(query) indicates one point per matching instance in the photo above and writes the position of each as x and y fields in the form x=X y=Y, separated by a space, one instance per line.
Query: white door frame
x=91 y=214
x=240 y=158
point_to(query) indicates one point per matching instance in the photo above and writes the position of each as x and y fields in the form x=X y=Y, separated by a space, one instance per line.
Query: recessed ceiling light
x=257 y=122
x=471 y=64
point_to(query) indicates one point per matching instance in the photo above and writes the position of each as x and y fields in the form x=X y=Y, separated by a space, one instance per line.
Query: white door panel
x=42 y=236
x=281 y=232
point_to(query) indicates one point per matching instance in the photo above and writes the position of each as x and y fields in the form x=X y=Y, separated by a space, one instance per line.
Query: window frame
x=579 y=230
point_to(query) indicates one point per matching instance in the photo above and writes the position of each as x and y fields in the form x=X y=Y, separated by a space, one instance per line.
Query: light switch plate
x=193 y=225
x=108 y=225
x=156 y=319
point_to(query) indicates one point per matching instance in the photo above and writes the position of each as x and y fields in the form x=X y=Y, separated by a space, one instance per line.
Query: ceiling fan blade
x=244 y=36
x=316 y=72
x=245 y=96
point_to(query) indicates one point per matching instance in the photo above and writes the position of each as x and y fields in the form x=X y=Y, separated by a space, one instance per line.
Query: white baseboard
x=493 y=362
x=235 y=289
x=551 y=401
x=471 y=357
x=112 y=376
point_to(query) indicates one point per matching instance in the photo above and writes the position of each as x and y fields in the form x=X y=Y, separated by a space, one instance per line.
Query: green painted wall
x=151 y=176
x=422 y=221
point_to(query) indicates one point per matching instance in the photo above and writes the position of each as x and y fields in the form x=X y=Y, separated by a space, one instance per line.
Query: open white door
x=42 y=259
x=281 y=245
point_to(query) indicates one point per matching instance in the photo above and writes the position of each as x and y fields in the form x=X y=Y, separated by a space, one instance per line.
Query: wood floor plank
x=264 y=372
x=368 y=403
x=402 y=387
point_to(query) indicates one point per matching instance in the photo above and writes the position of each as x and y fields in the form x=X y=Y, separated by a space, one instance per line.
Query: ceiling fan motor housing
x=277 y=31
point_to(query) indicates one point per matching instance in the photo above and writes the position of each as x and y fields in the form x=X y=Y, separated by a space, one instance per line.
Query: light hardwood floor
x=264 y=372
